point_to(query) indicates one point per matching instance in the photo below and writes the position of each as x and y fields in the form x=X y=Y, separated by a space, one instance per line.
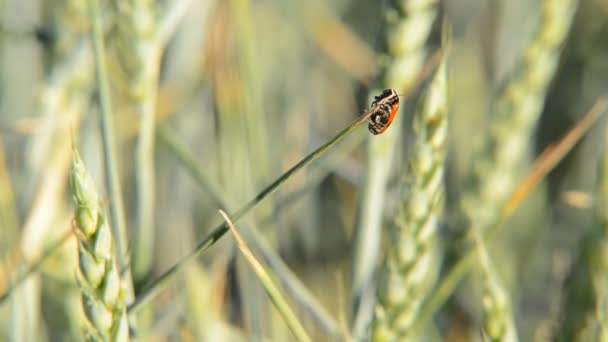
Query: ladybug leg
x=373 y=128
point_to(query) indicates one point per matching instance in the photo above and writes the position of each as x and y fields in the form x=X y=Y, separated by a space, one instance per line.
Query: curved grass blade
x=271 y=289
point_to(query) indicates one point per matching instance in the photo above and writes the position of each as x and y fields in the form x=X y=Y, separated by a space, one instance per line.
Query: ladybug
x=384 y=109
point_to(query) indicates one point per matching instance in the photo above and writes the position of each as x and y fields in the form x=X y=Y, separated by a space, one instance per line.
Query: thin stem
x=271 y=288
x=107 y=127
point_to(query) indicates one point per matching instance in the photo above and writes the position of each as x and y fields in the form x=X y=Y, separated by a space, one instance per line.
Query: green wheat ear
x=411 y=265
x=102 y=295
x=498 y=322
x=406 y=30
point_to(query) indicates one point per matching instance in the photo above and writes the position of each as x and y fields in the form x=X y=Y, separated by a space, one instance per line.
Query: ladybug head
x=386 y=93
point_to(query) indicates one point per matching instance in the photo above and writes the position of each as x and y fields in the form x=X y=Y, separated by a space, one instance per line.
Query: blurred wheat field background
x=480 y=214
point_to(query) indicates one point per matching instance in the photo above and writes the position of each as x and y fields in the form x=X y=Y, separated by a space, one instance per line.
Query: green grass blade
x=107 y=127
x=136 y=53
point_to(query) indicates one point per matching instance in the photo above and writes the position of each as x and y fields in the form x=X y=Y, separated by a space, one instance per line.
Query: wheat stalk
x=136 y=50
x=117 y=214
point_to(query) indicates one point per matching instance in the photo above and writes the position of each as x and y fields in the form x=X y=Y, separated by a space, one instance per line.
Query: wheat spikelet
x=498 y=321
x=98 y=278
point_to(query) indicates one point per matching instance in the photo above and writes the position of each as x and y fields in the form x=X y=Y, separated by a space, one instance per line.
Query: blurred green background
x=250 y=87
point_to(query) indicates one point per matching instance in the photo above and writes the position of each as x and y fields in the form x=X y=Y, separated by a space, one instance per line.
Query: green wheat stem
x=136 y=51
x=143 y=253
x=599 y=268
x=252 y=155
x=107 y=127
